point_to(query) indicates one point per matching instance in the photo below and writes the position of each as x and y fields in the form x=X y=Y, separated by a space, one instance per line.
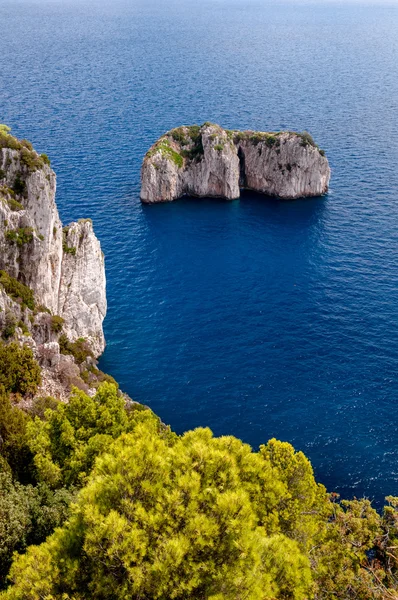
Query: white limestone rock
x=209 y=161
x=65 y=269
x=82 y=291
x=191 y=161
x=287 y=165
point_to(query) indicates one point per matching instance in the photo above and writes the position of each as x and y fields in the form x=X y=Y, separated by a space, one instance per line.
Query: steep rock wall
x=64 y=267
x=191 y=161
x=209 y=161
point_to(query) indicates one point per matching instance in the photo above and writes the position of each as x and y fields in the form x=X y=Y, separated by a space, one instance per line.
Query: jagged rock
x=64 y=268
x=209 y=161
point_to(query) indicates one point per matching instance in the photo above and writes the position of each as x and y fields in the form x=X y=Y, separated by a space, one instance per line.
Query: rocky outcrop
x=209 y=161
x=60 y=271
x=81 y=295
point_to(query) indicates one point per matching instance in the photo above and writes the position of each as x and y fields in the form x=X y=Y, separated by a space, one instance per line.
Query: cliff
x=52 y=279
x=209 y=161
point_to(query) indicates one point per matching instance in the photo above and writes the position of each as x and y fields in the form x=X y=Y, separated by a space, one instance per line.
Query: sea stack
x=209 y=161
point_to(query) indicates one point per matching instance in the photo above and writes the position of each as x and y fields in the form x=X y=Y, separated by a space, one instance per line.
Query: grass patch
x=163 y=146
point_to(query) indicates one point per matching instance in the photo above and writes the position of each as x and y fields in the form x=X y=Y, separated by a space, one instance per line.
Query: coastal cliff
x=52 y=279
x=209 y=161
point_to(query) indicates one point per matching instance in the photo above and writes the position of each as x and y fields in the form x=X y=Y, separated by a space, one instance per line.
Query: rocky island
x=209 y=161
x=52 y=278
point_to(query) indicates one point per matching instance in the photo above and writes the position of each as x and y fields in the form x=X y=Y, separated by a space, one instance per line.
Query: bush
x=17 y=290
x=20 y=236
x=67 y=249
x=67 y=442
x=14 y=204
x=19 y=186
x=27 y=516
x=29 y=157
x=19 y=372
x=45 y=159
x=307 y=139
x=10 y=324
x=57 y=323
x=78 y=349
x=170 y=518
x=13 y=439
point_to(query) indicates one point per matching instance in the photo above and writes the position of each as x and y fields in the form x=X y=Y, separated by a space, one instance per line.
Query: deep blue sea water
x=258 y=318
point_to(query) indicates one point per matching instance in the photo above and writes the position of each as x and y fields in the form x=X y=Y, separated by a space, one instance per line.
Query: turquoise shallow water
x=257 y=318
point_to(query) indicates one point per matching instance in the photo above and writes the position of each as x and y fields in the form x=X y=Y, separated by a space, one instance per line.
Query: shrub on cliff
x=27 y=516
x=29 y=157
x=57 y=323
x=14 y=448
x=19 y=372
x=69 y=438
x=79 y=349
x=190 y=517
x=17 y=290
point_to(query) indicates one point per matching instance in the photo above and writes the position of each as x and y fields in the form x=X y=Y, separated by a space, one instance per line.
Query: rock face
x=82 y=296
x=63 y=267
x=209 y=161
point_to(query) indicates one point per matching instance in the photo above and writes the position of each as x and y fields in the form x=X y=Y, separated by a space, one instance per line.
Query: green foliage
x=45 y=159
x=14 y=204
x=219 y=147
x=67 y=441
x=67 y=249
x=340 y=560
x=10 y=324
x=20 y=236
x=38 y=406
x=307 y=139
x=13 y=439
x=28 y=156
x=19 y=186
x=93 y=377
x=19 y=372
x=27 y=516
x=17 y=290
x=23 y=327
x=166 y=150
x=4 y=129
x=57 y=323
x=168 y=518
x=78 y=349
x=179 y=136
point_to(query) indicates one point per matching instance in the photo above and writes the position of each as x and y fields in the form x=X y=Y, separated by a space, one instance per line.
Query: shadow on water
x=300 y=214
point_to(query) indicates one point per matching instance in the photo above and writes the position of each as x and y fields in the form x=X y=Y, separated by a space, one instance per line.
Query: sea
x=258 y=318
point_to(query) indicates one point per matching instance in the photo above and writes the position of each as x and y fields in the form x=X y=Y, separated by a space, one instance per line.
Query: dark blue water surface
x=258 y=318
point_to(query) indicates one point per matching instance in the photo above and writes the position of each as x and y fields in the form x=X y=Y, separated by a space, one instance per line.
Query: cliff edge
x=208 y=161
x=52 y=278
